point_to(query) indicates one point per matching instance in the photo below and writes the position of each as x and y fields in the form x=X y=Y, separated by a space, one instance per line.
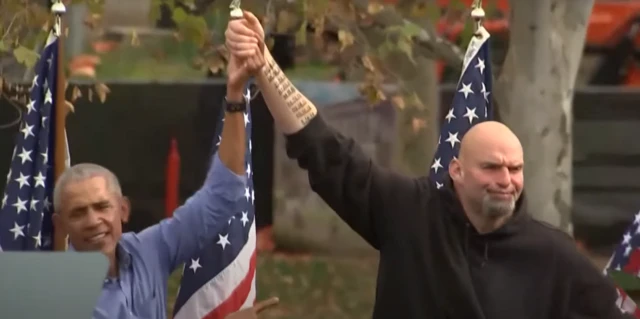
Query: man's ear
x=455 y=170
x=125 y=208
x=57 y=222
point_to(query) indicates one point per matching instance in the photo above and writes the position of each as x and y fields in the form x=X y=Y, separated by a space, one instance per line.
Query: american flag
x=25 y=214
x=471 y=105
x=221 y=279
x=626 y=258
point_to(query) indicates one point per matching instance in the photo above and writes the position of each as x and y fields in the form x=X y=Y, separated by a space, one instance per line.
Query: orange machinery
x=612 y=48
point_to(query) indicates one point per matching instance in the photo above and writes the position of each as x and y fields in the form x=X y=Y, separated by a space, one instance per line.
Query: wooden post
x=60 y=150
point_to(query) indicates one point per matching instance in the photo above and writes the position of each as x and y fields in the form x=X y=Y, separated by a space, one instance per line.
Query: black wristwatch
x=233 y=106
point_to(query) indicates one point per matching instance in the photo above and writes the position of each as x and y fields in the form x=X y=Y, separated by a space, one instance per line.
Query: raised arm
x=197 y=223
x=590 y=293
x=362 y=193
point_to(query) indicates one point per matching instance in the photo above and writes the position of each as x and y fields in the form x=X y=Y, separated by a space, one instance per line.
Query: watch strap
x=235 y=106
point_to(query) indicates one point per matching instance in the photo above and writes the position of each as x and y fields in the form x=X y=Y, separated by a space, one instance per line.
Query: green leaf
x=392 y=30
x=154 y=12
x=407 y=31
x=406 y=46
x=42 y=37
x=467 y=33
x=179 y=15
x=301 y=34
x=457 y=5
x=34 y=40
x=625 y=281
x=192 y=28
x=197 y=29
x=26 y=56
x=385 y=49
x=433 y=12
x=4 y=47
x=491 y=9
x=188 y=3
x=410 y=29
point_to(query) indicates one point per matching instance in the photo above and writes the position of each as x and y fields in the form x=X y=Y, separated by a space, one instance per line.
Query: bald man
x=466 y=251
x=487 y=175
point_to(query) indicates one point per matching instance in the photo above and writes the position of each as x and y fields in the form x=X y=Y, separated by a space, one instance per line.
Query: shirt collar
x=122 y=255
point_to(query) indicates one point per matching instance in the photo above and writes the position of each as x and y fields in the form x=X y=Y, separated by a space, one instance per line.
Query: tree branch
x=270 y=17
x=429 y=43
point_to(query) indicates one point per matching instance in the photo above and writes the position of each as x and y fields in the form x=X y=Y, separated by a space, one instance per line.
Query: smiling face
x=92 y=213
x=488 y=176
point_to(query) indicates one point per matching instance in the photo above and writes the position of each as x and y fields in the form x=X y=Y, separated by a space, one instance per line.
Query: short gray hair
x=80 y=172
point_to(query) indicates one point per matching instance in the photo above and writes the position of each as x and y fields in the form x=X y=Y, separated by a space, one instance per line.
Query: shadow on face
x=92 y=215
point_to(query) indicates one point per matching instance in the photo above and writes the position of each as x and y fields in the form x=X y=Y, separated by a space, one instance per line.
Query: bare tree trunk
x=417 y=126
x=420 y=146
x=535 y=95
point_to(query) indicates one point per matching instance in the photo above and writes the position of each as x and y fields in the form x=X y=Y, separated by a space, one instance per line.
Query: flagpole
x=60 y=144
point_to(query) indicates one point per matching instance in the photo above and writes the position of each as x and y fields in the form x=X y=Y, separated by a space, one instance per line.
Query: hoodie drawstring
x=486 y=254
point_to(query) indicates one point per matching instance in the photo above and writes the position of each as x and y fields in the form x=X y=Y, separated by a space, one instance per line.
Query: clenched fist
x=245 y=42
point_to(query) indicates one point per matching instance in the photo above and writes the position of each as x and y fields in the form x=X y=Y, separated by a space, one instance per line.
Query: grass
x=167 y=59
x=308 y=287
x=315 y=286
x=153 y=59
x=311 y=286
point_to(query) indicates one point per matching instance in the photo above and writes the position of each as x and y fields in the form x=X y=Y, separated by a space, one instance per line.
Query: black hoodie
x=433 y=264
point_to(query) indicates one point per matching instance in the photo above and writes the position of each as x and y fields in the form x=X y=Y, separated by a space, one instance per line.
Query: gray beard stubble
x=493 y=208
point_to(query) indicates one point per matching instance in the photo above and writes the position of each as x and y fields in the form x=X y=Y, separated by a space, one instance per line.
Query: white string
x=252 y=95
x=13 y=122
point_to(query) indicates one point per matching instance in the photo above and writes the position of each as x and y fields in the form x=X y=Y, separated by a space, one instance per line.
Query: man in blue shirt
x=90 y=207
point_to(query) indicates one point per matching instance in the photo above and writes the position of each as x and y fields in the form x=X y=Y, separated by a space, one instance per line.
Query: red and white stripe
x=626 y=304
x=234 y=288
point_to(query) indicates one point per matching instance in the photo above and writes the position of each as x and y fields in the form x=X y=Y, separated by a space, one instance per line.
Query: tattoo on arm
x=295 y=101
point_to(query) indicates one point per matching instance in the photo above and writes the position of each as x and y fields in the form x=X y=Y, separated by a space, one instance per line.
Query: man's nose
x=504 y=177
x=93 y=218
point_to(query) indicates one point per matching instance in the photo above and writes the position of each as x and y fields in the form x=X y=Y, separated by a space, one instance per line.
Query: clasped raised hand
x=244 y=39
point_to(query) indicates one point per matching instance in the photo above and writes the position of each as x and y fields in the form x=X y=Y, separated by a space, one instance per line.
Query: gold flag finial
x=477 y=14
x=58 y=10
x=236 y=11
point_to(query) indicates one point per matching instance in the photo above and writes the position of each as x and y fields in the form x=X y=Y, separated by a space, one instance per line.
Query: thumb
x=237 y=76
x=262 y=305
x=251 y=18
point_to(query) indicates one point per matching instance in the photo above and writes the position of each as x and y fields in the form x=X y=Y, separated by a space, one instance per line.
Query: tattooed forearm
x=301 y=108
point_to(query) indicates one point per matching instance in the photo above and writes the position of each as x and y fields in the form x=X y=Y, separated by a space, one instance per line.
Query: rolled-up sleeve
x=197 y=222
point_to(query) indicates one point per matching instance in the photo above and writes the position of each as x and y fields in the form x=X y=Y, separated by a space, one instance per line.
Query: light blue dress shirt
x=146 y=259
